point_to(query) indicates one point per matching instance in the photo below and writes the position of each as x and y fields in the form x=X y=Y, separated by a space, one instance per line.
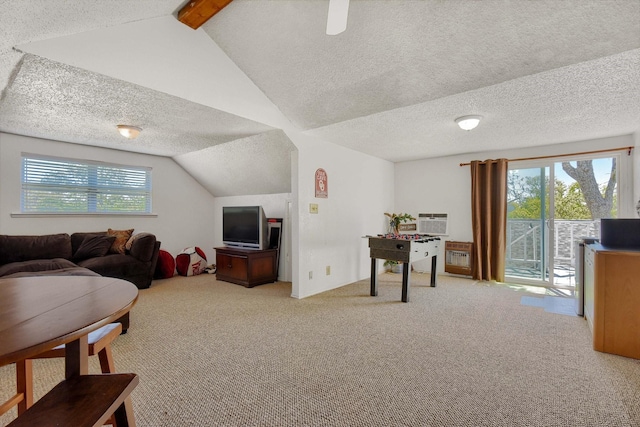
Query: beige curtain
x=489 y=218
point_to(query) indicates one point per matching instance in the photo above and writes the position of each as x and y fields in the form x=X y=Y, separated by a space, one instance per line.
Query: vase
x=393 y=228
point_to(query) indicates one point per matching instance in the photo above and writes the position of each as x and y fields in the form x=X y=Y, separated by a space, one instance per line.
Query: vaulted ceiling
x=539 y=72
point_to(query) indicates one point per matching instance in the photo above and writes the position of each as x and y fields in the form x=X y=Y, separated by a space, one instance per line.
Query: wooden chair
x=99 y=343
x=24 y=395
x=83 y=401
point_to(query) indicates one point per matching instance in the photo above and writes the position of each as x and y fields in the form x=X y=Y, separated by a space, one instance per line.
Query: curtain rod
x=565 y=155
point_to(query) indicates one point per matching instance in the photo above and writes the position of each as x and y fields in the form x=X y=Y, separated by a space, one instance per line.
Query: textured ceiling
x=400 y=53
x=94 y=103
x=33 y=20
x=594 y=99
x=540 y=72
x=259 y=164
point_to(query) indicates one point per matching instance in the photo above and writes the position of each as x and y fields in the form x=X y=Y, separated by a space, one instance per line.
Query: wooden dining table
x=40 y=313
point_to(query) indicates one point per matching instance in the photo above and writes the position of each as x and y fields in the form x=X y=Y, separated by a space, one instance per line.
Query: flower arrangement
x=396 y=219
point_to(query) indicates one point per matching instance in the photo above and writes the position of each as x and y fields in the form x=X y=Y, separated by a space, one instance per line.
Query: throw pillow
x=191 y=261
x=94 y=246
x=122 y=237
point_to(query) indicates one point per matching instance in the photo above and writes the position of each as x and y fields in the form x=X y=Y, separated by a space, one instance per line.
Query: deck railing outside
x=524 y=247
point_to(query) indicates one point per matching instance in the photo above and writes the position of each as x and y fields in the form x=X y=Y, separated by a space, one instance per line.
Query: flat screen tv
x=244 y=227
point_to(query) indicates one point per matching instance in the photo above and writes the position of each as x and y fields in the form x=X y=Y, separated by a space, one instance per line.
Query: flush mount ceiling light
x=127 y=131
x=468 y=122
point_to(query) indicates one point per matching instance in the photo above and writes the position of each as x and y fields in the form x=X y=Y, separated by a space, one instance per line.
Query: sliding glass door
x=527 y=214
x=552 y=205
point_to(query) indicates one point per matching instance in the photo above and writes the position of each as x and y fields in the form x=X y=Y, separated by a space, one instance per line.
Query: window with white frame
x=53 y=185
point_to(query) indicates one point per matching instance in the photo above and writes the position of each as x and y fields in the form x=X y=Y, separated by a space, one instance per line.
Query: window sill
x=83 y=214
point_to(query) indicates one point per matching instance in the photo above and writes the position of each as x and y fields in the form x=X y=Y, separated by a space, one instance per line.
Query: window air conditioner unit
x=435 y=224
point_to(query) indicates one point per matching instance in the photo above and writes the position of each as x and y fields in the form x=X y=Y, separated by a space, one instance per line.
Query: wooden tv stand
x=246 y=267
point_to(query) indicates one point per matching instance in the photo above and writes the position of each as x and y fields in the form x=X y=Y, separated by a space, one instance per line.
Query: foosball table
x=405 y=249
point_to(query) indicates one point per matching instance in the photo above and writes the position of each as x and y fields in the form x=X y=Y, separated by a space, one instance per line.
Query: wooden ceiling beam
x=197 y=12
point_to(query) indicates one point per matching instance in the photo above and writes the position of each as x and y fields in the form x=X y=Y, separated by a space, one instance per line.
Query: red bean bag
x=191 y=261
x=165 y=266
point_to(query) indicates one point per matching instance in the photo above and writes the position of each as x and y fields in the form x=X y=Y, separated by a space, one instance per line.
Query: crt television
x=244 y=227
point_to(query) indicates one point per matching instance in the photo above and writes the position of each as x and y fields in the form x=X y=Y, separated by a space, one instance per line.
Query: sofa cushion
x=114 y=265
x=78 y=238
x=143 y=246
x=133 y=238
x=67 y=271
x=122 y=237
x=36 y=265
x=24 y=248
x=93 y=246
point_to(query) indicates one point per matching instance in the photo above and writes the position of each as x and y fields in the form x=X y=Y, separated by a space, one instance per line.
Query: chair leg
x=123 y=417
x=106 y=360
x=24 y=384
x=107 y=367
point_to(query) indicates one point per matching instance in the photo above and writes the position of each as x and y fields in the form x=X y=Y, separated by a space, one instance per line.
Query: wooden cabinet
x=612 y=299
x=246 y=267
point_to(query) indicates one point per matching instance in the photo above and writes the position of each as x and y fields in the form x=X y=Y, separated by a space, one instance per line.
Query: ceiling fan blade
x=337 y=17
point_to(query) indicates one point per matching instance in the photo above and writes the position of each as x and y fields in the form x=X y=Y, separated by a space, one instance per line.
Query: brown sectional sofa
x=80 y=254
x=137 y=265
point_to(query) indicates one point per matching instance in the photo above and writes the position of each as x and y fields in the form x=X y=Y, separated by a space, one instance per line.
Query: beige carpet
x=462 y=354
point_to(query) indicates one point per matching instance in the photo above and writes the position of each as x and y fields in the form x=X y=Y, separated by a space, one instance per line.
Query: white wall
x=441 y=185
x=360 y=190
x=275 y=206
x=181 y=204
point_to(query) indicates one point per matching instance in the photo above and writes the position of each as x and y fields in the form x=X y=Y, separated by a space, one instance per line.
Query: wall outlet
x=310 y=275
x=328 y=270
x=313 y=208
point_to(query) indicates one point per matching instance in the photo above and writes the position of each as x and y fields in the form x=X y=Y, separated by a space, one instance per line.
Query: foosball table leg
x=374 y=277
x=434 y=265
x=406 y=270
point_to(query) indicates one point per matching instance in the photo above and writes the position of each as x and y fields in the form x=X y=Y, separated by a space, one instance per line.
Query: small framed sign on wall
x=407 y=227
x=322 y=184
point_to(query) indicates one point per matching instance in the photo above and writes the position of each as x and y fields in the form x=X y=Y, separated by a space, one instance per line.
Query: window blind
x=57 y=185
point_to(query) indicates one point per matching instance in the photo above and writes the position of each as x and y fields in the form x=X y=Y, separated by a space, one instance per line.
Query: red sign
x=322 y=184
